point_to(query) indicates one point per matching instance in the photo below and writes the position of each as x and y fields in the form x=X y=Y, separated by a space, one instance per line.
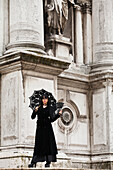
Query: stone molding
x=68 y=121
x=86 y=8
x=77 y=7
x=32 y=61
x=29 y=60
x=14 y=47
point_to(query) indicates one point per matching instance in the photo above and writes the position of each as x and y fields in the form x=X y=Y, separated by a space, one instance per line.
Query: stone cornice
x=84 y=79
x=32 y=61
x=25 y=60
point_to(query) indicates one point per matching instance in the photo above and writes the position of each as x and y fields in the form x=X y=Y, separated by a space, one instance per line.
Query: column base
x=28 y=46
x=21 y=158
x=101 y=66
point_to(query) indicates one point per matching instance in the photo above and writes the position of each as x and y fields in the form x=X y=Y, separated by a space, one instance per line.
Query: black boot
x=32 y=165
x=47 y=164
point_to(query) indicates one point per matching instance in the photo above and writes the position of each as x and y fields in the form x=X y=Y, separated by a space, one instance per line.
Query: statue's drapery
x=57 y=15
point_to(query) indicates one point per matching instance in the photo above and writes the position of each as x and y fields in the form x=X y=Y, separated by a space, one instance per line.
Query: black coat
x=45 y=146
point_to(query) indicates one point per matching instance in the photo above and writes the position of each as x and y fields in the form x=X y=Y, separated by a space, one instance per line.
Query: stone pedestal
x=21 y=74
x=26 y=28
x=59 y=47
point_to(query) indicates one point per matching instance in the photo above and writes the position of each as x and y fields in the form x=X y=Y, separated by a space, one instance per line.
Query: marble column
x=102 y=15
x=87 y=24
x=78 y=36
x=26 y=28
x=1 y=26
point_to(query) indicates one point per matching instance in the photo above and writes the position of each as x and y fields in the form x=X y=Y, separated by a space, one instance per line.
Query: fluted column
x=78 y=36
x=87 y=18
x=102 y=15
x=26 y=27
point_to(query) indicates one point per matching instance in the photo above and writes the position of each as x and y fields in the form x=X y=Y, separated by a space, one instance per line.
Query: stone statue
x=56 y=15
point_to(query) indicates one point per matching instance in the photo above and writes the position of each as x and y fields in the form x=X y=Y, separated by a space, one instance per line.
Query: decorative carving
x=67 y=116
x=84 y=7
x=108 y=82
x=87 y=8
x=56 y=15
x=77 y=7
x=68 y=120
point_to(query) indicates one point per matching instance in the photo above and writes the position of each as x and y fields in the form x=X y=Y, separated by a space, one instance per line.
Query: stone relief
x=67 y=117
x=56 y=15
x=68 y=120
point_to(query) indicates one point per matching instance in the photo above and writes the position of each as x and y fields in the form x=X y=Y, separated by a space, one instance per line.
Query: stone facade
x=76 y=66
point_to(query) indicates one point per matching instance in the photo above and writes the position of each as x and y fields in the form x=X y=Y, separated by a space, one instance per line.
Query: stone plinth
x=59 y=47
x=21 y=74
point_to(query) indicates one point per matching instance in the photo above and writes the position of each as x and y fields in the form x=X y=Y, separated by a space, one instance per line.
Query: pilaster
x=78 y=36
x=101 y=111
x=87 y=32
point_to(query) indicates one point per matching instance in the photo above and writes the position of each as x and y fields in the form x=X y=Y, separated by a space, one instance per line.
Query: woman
x=45 y=146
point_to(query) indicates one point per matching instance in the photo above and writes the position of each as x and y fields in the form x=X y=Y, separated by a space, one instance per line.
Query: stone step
x=42 y=169
x=45 y=169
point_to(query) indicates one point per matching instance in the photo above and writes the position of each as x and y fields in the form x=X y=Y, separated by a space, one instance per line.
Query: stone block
x=59 y=47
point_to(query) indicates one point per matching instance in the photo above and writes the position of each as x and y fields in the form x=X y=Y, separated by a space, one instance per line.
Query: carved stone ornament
x=67 y=116
x=68 y=120
x=87 y=8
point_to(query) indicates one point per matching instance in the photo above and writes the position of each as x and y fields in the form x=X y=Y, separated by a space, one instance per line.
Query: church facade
x=64 y=47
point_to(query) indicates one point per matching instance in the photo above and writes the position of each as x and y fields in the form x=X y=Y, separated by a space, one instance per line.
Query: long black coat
x=45 y=146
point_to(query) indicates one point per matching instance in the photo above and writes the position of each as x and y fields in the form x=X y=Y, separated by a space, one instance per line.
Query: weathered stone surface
x=102 y=34
x=83 y=82
x=33 y=61
x=26 y=27
x=59 y=47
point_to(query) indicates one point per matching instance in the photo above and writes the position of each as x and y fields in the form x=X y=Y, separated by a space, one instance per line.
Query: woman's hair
x=45 y=96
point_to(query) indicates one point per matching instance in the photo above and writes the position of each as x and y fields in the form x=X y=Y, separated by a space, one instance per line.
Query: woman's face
x=44 y=101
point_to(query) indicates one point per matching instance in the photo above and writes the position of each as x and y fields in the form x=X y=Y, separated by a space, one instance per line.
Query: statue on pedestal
x=56 y=14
